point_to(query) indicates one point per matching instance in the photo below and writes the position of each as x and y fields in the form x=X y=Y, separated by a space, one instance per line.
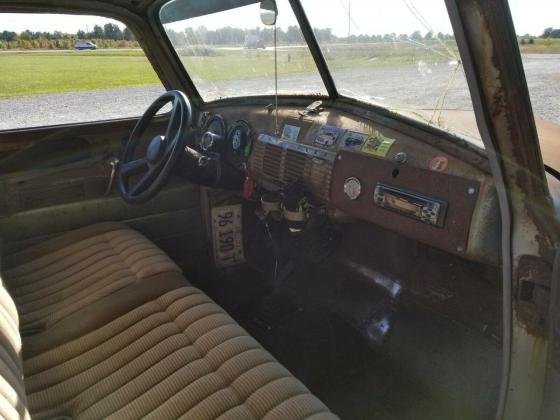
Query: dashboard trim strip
x=312 y=151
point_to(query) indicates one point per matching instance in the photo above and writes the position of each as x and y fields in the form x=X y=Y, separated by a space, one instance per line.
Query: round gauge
x=207 y=141
x=201 y=120
x=352 y=188
x=214 y=128
x=238 y=144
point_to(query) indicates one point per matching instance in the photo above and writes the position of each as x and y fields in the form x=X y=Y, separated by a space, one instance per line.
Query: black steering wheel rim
x=162 y=153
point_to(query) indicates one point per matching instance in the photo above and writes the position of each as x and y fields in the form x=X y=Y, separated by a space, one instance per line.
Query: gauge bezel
x=215 y=117
x=234 y=156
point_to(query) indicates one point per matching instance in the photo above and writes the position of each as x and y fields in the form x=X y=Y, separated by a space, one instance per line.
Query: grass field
x=42 y=72
x=32 y=73
x=541 y=46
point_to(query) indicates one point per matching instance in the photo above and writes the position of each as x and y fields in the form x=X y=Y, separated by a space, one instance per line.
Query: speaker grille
x=278 y=166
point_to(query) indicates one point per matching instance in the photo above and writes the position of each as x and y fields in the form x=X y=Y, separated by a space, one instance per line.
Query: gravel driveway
x=416 y=87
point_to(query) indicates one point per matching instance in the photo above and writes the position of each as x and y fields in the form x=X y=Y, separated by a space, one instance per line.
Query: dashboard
x=234 y=142
x=364 y=168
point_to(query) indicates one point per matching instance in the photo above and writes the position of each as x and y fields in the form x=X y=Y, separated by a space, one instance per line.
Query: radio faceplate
x=425 y=209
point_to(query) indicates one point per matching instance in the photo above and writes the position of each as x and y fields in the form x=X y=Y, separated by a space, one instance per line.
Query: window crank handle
x=113 y=163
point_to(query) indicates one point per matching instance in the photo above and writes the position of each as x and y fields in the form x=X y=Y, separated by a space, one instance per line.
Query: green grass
x=541 y=46
x=43 y=72
x=248 y=64
x=33 y=73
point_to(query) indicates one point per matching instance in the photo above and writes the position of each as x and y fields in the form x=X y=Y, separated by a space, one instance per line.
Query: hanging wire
x=276 y=128
x=275 y=275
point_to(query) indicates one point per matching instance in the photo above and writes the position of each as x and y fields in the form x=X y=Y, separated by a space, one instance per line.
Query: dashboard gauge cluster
x=234 y=144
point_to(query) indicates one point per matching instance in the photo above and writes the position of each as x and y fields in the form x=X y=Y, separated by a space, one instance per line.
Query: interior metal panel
x=452 y=189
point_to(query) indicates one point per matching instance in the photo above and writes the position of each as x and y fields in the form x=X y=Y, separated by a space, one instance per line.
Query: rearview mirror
x=269 y=12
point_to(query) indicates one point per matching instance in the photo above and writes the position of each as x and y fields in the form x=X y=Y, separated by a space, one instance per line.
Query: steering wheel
x=150 y=172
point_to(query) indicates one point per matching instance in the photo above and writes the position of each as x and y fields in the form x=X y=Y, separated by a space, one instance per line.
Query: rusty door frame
x=488 y=45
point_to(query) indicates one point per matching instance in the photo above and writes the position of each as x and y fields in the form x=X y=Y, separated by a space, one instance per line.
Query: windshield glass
x=401 y=55
x=228 y=52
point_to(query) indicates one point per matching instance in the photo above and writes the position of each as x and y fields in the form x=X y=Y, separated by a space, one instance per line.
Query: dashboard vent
x=274 y=167
x=271 y=161
x=294 y=166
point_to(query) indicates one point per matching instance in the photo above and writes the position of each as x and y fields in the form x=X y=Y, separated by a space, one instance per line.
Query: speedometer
x=238 y=144
x=213 y=133
x=216 y=125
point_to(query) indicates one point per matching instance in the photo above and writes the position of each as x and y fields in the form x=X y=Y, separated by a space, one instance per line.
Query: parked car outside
x=85 y=45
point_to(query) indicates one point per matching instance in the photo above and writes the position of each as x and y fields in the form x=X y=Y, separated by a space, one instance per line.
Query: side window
x=63 y=69
x=538 y=35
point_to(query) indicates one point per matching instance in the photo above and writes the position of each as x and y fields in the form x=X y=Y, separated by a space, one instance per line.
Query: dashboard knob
x=352 y=188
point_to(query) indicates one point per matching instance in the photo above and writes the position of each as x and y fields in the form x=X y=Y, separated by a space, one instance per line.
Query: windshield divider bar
x=314 y=48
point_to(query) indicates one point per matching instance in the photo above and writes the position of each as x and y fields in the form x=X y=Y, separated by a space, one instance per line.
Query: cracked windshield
x=400 y=55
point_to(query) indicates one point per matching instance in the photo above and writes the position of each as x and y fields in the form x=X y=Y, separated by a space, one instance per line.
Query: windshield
x=228 y=52
x=401 y=55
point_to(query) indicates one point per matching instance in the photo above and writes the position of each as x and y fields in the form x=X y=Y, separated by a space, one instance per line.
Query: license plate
x=227 y=236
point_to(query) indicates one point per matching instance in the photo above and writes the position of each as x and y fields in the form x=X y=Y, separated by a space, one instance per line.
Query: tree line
x=112 y=36
x=289 y=36
x=108 y=31
x=106 y=36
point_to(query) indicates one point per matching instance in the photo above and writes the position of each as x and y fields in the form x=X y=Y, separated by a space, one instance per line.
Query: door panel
x=55 y=179
x=57 y=165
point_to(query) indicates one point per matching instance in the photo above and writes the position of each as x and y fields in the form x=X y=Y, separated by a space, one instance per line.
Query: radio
x=417 y=206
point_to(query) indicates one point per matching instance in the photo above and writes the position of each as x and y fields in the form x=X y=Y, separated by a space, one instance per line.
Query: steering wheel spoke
x=134 y=167
x=144 y=182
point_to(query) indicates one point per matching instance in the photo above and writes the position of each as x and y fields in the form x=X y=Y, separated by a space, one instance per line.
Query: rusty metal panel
x=452 y=237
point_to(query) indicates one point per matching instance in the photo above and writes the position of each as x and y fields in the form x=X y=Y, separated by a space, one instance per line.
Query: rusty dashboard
x=365 y=169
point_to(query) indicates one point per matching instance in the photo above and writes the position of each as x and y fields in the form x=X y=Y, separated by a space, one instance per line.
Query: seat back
x=13 y=401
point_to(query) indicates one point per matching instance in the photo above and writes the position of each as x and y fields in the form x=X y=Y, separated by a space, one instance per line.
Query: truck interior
x=265 y=254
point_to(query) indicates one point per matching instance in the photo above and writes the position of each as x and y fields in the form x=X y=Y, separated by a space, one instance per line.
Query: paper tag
x=377 y=146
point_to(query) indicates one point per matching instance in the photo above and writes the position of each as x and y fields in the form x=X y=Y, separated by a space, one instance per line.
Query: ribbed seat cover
x=13 y=401
x=178 y=356
x=72 y=271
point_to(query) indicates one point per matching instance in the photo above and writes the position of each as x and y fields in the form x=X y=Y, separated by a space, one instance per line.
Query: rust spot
x=533 y=294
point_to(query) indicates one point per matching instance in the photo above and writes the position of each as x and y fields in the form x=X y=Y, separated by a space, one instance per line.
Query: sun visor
x=185 y=9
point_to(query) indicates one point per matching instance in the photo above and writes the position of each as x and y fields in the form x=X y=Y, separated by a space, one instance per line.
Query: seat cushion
x=13 y=400
x=179 y=355
x=60 y=276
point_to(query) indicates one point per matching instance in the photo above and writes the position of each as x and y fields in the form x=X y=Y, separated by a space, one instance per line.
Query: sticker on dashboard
x=438 y=163
x=290 y=132
x=327 y=136
x=353 y=140
x=227 y=236
x=377 y=146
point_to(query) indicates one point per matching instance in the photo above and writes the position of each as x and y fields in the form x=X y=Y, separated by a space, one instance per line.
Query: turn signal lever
x=209 y=169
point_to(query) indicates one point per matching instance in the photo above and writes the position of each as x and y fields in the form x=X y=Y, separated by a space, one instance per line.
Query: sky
x=367 y=17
